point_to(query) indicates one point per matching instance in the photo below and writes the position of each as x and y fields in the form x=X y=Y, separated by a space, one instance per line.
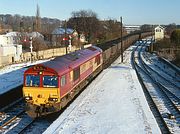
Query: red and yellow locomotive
x=51 y=85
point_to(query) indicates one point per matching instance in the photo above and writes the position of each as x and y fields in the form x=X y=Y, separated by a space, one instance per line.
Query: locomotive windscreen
x=32 y=80
x=50 y=81
x=35 y=81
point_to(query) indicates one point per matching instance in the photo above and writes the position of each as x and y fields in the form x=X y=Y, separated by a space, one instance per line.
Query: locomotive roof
x=72 y=60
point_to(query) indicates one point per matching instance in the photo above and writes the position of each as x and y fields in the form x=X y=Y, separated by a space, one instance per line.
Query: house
x=159 y=33
x=15 y=37
x=36 y=35
x=5 y=39
x=9 y=50
x=82 y=38
x=58 y=35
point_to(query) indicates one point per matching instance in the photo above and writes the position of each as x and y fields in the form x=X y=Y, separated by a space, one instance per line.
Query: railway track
x=167 y=78
x=14 y=119
x=163 y=103
x=168 y=69
x=177 y=70
x=168 y=87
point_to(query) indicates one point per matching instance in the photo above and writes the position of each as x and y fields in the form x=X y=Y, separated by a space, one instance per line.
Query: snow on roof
x=36 y=34
x=113 y=103
x=13 y=33
x=159 y=27
x=32 y=34
x=61 y=30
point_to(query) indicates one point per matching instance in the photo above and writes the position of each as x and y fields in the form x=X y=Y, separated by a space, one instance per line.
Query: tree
x=26 y=23
x=85 y=22
x=175 y=37
x=170 y=28
x=113 y=28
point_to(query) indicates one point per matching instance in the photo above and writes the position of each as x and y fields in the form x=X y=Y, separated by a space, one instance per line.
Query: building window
x=76 y=74
x=63 y=80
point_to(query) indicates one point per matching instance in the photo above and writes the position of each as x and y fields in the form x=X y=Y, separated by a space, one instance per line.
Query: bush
x=175 y=37
x=164 y=43
x=39 y=44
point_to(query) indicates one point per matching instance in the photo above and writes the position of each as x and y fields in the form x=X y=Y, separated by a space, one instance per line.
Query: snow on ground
x=113 y=103
x=12 y=76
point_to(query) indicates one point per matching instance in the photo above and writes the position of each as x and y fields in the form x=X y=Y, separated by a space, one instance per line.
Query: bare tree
x=170 y=28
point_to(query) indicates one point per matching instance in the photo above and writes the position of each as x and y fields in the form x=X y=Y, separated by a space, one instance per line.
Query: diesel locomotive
x=49 y=86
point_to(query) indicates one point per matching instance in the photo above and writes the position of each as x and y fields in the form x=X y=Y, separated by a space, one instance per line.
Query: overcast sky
x=133 y=11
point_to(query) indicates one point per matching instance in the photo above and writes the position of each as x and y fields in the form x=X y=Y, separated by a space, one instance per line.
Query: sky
x=134 y=12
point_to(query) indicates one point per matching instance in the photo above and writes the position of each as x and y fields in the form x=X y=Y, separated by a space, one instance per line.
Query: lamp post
x=121 y=41
x=31 y=47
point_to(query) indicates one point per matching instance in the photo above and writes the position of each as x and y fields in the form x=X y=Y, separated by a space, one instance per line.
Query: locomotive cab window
x=32 y=80
x=50 y=81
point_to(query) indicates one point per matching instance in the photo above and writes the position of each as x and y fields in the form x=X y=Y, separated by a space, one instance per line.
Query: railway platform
x=113 y=103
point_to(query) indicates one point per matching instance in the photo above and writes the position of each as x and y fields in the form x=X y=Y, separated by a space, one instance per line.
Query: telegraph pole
x=121 y=40
x=152 y=41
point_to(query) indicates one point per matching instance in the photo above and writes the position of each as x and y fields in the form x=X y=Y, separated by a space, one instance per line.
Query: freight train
x=49 y=86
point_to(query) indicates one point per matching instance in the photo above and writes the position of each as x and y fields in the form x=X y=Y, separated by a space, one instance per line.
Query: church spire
x=38 y=20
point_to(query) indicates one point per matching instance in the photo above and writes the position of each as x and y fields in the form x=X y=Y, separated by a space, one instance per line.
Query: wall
x=45 y=54
x=24 y=57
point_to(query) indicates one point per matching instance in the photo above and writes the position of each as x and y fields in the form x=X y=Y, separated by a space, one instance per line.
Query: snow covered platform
x=113 y=103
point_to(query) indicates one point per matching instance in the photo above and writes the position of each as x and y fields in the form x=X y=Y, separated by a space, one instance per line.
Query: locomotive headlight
x=40 y=72
x=28 y=98
x=52 y=99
